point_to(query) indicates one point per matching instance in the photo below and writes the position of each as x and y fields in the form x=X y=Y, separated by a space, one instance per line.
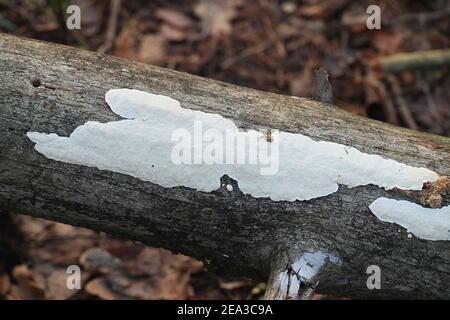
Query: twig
x=403 y=107
x=388 y=106
x=112 y=25
x=415 y=60
x=434 y=110
x=247 y=53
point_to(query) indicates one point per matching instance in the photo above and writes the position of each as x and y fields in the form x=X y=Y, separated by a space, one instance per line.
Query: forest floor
x=268 y=45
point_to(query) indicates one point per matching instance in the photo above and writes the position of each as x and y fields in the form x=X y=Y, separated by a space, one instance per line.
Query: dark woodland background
x=268 y=45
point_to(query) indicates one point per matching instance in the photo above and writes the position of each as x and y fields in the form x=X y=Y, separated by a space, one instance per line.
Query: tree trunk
x=233 y=233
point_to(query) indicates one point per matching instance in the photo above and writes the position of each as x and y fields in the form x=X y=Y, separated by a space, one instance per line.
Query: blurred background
x=263 y=44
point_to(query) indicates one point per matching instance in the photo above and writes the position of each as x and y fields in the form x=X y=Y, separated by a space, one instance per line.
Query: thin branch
x=112 y=26
x=403 y=106
x=415 y=60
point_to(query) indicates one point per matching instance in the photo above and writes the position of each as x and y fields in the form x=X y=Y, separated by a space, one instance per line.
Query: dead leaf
x=126 y=41
x=98 y=259
x=289 y=7
x=356 y=21
x=51 y=242
x=353 y=108
x=152 y=49
x=169 y=286
x=313 y=11
x=172 y=34
x=99 y=287
x=387 y=42
x=27 y=287
x=301 y=85
x=5 y=284
x=216 y=16
x=174 y=18
x=285 y=30
x=167 y=275
x=148 y=262
x=57 y=286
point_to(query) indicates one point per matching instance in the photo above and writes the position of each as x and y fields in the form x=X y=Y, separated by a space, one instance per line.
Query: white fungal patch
x=304 y=270
x=425 y=223
x=141 y=146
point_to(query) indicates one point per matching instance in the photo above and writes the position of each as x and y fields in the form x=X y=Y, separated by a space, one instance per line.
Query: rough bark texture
x=232 y=233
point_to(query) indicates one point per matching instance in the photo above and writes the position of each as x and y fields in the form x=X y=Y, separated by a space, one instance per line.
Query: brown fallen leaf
x=387 y=42
x=353 y=108
x=27 y=287
x=152 y=49
x=216 y=16
x=160 y=274
x=289 y=7
x=101 y=288
x=173 y=34
x=356 y=21
x=174 y=18
x=148 y=262
x=301 y=85
x=57 y=286
x=5 y=285
x=126 y=40
x=313 y=11
x=51 y=242
x=167 y=286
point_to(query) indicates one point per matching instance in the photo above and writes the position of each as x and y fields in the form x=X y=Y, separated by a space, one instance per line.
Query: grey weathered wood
x=233 y=233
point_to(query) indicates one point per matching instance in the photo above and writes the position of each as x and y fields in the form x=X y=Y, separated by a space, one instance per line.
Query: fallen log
x=324 y=242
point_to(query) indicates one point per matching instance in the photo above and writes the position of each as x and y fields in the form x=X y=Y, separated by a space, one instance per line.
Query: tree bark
x=233 y=233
